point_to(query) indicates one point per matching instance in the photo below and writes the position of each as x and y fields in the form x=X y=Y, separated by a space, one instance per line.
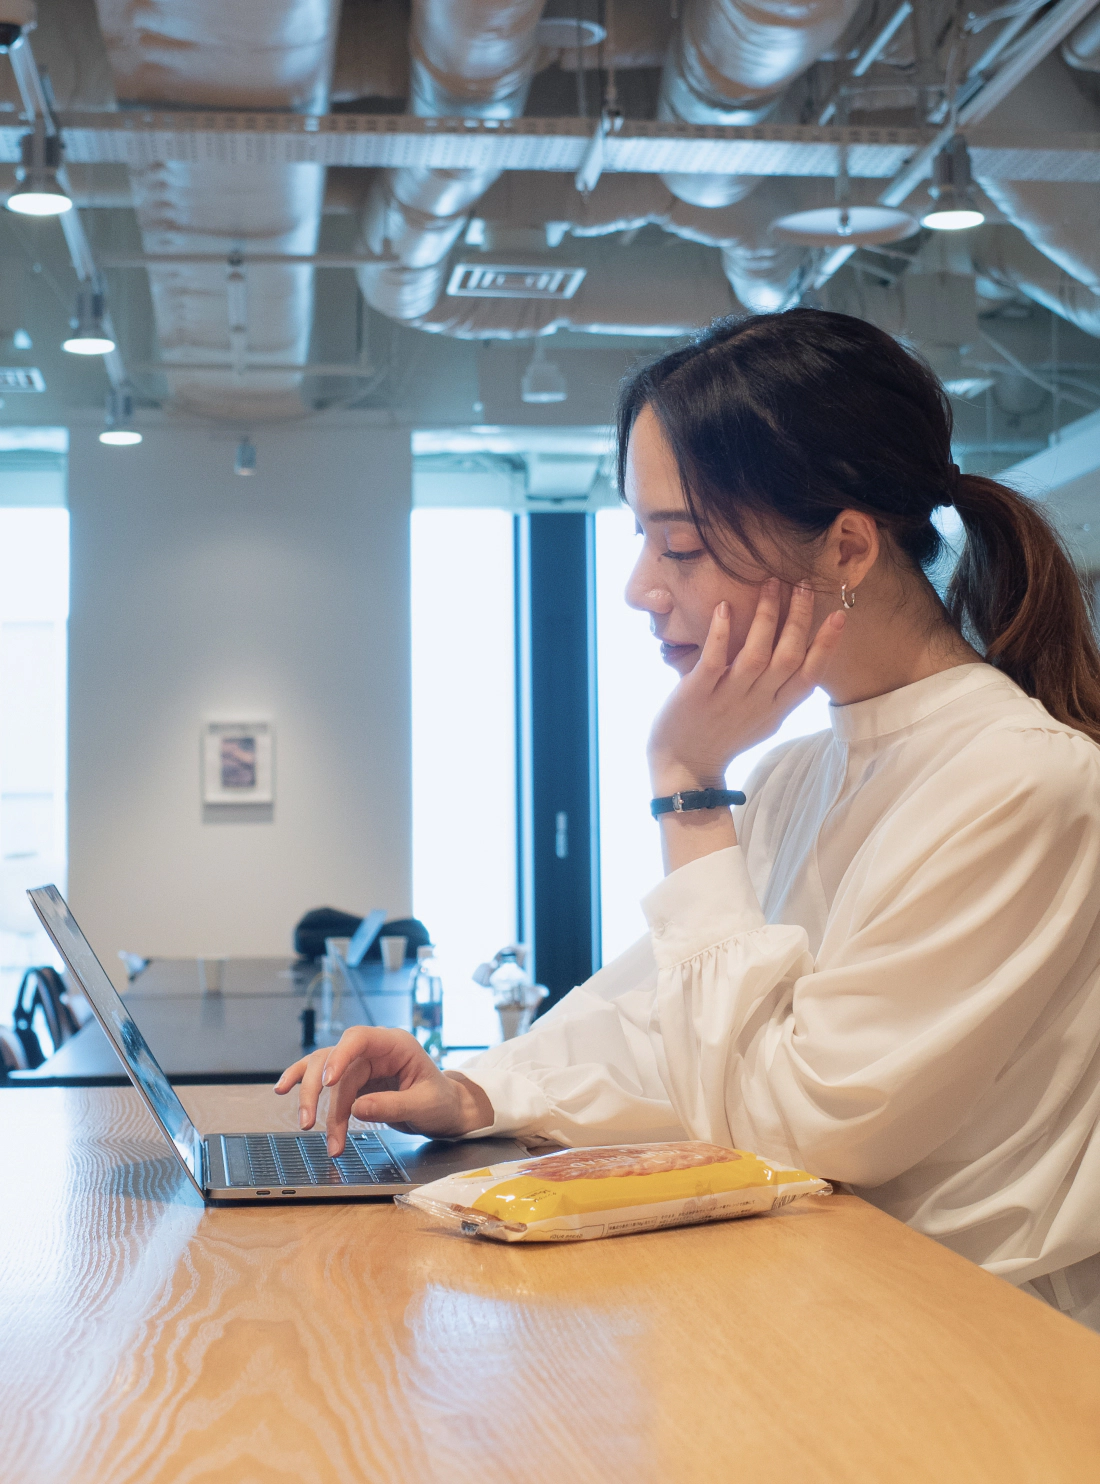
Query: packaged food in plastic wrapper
x=611 y=1191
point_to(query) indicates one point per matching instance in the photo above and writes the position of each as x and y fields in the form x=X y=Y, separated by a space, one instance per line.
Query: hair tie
x=953 y=477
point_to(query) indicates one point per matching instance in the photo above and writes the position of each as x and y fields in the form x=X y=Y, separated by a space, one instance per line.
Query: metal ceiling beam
x=245 y=260
x=256 y=368
x=370 y=140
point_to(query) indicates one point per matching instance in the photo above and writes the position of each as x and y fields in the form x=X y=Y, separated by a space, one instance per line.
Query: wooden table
x=144 y=1340
x=251 y=1030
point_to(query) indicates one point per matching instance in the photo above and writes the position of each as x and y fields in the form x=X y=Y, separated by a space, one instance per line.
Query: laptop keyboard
x=292 y=1160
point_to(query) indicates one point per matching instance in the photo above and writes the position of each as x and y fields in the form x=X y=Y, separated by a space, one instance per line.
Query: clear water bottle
x=427 y=1003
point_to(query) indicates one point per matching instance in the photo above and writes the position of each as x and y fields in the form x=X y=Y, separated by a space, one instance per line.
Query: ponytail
x=1016 y=595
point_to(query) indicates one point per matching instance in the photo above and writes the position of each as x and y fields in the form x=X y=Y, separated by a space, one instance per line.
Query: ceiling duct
x=1081 y=48
x=730 y=63
x=1058 y=219
x=1003 y=255
x=671 y=290
x=469 y=59
x=205 y=55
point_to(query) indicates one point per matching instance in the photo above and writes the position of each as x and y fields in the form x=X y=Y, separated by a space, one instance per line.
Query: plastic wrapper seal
x=611 y=1191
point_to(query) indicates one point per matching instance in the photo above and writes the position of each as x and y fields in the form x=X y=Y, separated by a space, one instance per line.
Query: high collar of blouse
x=863 y=721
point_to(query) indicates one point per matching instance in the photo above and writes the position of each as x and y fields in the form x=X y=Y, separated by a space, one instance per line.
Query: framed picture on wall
x=238 y=762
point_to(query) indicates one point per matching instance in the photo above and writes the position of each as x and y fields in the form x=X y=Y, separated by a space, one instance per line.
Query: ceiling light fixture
x=90 y=337
x=543 y=380
x=952 y=190
x=833 y=226
x=245 y=462
x=120 y=431
x=38 y=193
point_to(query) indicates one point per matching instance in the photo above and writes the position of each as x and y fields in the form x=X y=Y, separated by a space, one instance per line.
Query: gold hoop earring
x=847 y=599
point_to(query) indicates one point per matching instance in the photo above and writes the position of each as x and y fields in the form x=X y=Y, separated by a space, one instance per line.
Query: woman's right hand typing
x=384 y=1076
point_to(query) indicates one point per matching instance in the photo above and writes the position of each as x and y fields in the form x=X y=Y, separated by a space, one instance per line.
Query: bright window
x=34 y=605
x=633 y=681
x=464 y=733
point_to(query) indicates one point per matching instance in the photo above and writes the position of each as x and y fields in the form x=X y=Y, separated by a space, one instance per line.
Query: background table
x=251 y=1030
x=147 y=1341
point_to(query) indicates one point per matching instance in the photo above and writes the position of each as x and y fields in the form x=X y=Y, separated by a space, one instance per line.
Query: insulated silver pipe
x=262 y=54
x=469 y=59
x=730 y=63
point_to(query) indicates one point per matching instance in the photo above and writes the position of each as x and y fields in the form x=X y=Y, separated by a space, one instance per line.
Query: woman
x=886 y=968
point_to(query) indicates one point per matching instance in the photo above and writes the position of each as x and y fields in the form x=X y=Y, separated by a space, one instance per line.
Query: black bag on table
x=330 y=922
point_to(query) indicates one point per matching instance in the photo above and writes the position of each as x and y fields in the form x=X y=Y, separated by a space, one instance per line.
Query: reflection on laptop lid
x=365 y=935
x=118 y=1024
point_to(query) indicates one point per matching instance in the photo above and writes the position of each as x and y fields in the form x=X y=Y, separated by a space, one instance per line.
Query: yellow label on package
x=611 y=1191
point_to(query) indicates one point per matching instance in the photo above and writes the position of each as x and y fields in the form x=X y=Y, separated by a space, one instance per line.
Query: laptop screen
x=365 y=935
x=117 y=1022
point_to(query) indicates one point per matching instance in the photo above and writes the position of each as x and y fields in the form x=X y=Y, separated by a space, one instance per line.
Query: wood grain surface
x=146 y=1340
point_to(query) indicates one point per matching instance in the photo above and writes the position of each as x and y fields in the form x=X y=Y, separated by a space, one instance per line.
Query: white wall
x=200 y=595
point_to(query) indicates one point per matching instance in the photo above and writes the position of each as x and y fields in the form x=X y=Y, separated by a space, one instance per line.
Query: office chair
x=42 y=992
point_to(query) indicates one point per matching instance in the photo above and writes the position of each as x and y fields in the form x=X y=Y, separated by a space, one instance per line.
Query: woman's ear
x=852 y=546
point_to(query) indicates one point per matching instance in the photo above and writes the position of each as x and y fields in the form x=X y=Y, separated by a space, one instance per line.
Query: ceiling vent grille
x=496 y=281
x=21 y=379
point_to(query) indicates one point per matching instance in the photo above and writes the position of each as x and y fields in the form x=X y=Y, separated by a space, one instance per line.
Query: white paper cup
x=393 y=952
x=212 y=974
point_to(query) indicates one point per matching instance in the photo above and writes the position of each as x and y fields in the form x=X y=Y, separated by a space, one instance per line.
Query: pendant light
x=120 y=431
x=952 y=190
x=38 y=193
x=245 y=462
x=543 y=380
x=837 y=226
x=89 y=337
x=842 y=224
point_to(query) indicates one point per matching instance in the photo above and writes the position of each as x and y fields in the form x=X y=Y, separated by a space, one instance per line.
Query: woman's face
x=676 y=580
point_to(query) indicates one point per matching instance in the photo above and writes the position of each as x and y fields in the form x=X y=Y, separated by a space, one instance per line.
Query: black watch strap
x=695 y=798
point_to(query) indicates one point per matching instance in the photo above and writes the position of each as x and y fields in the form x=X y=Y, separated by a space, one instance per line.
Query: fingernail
x=326 y=1077
x=723 y=609
x=301 y=1118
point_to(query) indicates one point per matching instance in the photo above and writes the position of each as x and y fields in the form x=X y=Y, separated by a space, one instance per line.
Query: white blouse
x=893 y=981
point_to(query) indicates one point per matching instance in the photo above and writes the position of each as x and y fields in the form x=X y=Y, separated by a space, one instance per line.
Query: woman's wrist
x=670 y=777
x=474 y=1110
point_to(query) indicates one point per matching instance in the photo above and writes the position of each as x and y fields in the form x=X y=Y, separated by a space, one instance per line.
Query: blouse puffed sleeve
x=957 y=932
x=585 y=1073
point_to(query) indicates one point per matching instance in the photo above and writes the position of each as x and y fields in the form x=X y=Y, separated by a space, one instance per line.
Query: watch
x=695 y=798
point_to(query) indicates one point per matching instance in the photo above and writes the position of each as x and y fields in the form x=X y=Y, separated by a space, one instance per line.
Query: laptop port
x=288 y=1192
x=262 y=1192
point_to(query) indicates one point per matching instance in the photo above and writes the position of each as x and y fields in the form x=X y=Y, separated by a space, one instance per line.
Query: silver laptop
x=250 y=1167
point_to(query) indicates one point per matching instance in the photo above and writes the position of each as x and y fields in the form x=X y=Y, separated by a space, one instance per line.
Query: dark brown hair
x=784 y=420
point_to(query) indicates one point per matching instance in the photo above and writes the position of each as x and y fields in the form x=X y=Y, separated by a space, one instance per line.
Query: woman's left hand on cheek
x=721 y=708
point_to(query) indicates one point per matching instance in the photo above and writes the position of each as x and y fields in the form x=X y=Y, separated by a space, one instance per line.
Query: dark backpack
x=329 y=922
